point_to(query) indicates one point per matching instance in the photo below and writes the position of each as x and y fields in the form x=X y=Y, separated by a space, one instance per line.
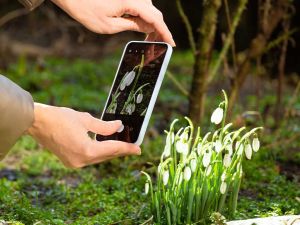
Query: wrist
x=39 y=112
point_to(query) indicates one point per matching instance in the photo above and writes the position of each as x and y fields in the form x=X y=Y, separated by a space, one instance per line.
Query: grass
x=36 y=188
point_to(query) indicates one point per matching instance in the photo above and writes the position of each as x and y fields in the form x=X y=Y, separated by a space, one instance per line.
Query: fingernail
x=173 y=43
x=139 y=152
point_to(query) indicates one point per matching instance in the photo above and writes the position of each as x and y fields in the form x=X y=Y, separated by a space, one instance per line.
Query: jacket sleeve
x=31 y=4
x=16 y=113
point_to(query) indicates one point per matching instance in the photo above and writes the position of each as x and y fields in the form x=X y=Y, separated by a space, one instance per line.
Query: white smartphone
x=135 y=89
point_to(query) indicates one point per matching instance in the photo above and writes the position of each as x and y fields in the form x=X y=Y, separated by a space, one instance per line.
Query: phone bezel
x=155 y=90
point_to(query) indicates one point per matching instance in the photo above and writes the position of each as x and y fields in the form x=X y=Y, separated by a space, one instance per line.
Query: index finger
x=152 y=16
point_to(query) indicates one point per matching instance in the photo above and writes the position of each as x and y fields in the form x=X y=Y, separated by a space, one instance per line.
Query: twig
x=229 y=29
x=177 y=83
x=229 y=39
x=188 y=26
x=147 y=221
x=12 y=15
x=283 y=141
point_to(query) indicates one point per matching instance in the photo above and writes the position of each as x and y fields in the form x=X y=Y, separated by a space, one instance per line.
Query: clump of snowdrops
x=199 y=175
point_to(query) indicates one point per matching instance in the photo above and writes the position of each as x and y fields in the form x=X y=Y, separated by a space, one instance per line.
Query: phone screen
x=133 y=88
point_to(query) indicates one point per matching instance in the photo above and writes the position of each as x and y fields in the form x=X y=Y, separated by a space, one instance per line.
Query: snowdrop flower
x=255 y=144
x=182 y=145
x=206 y=158
x=218 y=146
x=130 y=108
x=223 y=187
x=199 y=148
x=146 y=188
x=122 y=86
x=223 y=177
x=129 y=78
x=166 y=177
x=248 y=151
x=139 y=98
x=227 y=160
x=187 y=173
x=217 y=115
x=239 y=147
x=169 y=142
x=229 y=148
x=208 y=170
x=193 y=164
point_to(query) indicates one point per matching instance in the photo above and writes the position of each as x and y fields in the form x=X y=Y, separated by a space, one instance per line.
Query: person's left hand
x=107 y=17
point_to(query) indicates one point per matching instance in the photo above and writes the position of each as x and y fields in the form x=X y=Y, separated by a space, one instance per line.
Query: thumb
x=99 y=126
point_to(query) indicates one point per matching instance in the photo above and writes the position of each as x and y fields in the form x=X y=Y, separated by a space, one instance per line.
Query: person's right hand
x=107 y=17
x=64 y=131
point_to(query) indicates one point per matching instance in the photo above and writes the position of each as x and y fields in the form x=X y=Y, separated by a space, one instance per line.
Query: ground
x=35 y=188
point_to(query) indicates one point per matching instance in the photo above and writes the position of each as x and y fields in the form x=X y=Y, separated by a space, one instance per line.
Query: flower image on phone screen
x=133 y=88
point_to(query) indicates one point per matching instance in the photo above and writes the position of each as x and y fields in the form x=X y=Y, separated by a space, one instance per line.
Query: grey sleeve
x=31 y=4
x=16 y=113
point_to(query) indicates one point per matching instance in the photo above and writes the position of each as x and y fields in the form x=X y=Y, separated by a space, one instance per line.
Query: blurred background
x=248 y=48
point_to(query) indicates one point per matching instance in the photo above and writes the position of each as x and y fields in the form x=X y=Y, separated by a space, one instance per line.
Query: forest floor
x=35 y=188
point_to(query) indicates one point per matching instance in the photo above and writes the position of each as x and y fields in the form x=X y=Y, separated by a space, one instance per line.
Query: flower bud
x=217 y=116
x=248 y=151
x=206 y=158
x=139 y=98
x=146 y=188
x=187 y=173
x=227 y=160
x=223 y=187
x=166 y=177
x=218 y=146
x=193 y=164
x=255 y=144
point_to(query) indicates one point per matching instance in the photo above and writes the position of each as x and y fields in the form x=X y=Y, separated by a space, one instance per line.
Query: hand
x=65 y=132
x=107 y=17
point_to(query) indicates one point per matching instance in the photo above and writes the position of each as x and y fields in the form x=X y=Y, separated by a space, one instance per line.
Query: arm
x=16 y=110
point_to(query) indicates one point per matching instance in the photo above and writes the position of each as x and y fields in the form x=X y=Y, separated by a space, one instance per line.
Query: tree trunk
x=207 y=31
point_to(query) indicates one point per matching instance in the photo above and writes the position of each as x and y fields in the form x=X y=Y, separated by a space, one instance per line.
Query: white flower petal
x=131 y=76
x=122 y=86
x=166 y=177
x=218 y=146
x=139 y=98
x=187 y=173
x=146 y=188
x=227 y=160
x=208 y=170
x=178 y=146
x=248 y=151
x=223 y=177
x=217 y=116
x=239 y=148
x=223 y=187
x=229 y=148
x=206 y=158
x=199 y=148
x=255 y=144
x=185 y=148
x=193 y=164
